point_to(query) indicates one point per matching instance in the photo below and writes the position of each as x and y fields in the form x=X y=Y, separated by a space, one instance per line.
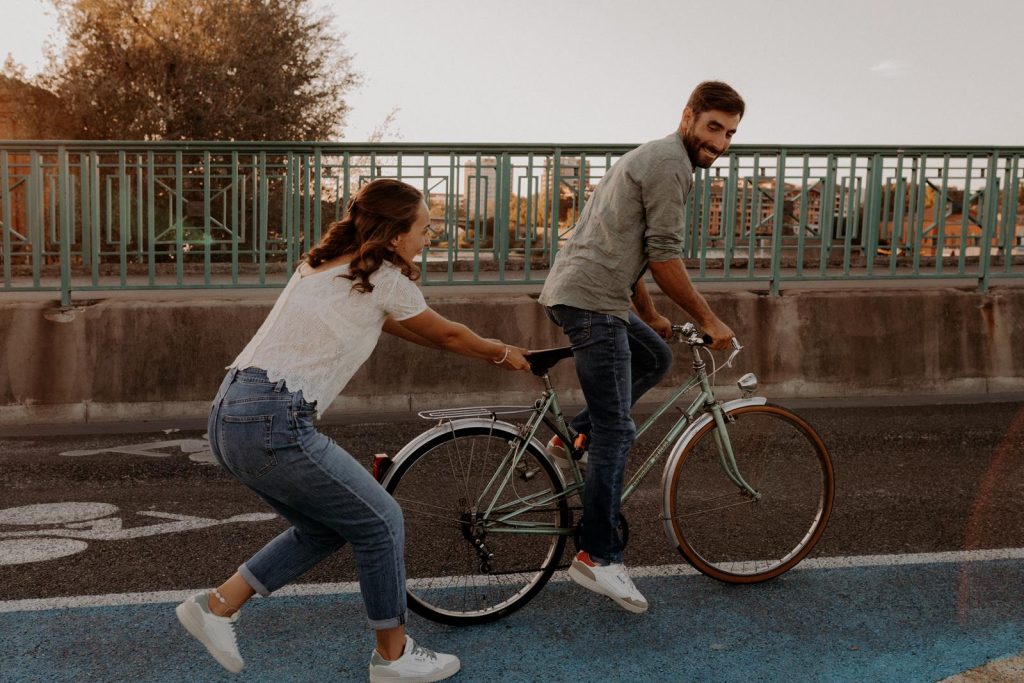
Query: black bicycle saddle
x=545 y=359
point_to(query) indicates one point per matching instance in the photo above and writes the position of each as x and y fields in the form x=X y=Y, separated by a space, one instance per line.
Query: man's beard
x=693 y=147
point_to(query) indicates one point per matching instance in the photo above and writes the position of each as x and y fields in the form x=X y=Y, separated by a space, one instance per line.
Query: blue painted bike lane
x=907 y=623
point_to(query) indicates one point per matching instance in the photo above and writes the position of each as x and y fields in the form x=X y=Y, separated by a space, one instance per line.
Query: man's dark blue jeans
x=616 y=362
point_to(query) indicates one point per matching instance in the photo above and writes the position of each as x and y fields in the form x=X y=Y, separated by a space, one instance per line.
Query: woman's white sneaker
x=216 y=633
x=611 y=580
x=416 y=665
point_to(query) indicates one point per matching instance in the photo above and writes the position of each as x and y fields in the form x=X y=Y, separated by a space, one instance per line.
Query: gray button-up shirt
x=634 y=216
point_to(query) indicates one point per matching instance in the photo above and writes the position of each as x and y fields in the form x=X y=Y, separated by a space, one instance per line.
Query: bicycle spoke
x=405 y=503
x=459 y=472
x=714 y=509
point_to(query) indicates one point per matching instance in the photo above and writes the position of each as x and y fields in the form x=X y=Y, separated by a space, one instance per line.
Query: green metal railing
x=90 y=216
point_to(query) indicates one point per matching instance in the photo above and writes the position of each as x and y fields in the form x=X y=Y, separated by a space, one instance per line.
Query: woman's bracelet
x=503 y=358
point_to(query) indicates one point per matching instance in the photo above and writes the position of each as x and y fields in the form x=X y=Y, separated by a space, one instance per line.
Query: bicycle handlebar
x=692 y=335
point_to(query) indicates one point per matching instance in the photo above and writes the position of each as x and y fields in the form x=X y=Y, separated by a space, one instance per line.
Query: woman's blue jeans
x=616 y=362
x=263 y=434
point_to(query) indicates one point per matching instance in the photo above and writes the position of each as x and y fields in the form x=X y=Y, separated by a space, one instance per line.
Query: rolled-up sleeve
x=664 y=189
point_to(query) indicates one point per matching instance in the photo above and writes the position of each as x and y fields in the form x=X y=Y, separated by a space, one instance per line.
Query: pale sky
x=887 y=72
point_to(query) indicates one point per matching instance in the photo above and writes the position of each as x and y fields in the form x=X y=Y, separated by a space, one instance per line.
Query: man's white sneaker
x=216 y=633
x=416 y=665
x=611 y=580
x=556 y=450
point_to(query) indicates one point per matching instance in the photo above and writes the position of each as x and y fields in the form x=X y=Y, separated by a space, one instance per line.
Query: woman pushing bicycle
x=356 y=283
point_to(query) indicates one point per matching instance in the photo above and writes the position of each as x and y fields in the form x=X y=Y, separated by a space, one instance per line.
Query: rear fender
x=496 y=426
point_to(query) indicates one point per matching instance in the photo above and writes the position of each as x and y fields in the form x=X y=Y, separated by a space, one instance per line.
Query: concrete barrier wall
x=144 y=359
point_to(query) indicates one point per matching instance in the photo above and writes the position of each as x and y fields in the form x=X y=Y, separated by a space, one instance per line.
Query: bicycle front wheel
x=736 y=537
x=482 y=536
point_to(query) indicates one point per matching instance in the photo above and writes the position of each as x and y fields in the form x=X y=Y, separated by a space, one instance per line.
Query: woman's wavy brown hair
x=380 y=211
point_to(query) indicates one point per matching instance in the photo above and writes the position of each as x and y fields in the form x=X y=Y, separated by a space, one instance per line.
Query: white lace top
x=320 y=330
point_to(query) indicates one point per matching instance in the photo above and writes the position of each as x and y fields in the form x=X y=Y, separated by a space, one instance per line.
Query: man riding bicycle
x=633 y=221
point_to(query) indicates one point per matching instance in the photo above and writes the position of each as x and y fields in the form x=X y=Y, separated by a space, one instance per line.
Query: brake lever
x=736 y=348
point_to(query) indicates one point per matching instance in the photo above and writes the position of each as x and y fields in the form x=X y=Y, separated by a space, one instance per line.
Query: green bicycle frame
x=547 y=410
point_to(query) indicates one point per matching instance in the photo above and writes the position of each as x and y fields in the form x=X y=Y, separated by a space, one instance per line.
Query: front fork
x=726 y=456
x=725 y=453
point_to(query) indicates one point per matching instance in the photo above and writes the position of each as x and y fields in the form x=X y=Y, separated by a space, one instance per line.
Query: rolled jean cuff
x=253 y=582
x=393 y=622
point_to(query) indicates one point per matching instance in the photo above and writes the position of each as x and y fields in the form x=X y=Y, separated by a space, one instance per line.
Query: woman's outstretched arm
x=433 y=330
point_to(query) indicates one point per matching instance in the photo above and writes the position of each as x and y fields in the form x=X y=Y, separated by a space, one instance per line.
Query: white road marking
x=55 y=513
x=28 y=550
x=159 y=597
x=824 y=563
x=86 y=522
x=953 y=556
x=1008 y=670
x=150 y=449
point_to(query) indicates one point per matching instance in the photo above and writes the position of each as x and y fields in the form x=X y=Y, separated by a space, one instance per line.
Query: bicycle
x=747 y=491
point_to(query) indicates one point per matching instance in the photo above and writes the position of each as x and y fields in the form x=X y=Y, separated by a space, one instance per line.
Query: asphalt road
x=79 y=518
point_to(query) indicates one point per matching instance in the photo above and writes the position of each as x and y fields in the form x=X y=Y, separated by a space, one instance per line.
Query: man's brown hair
x=715 y=95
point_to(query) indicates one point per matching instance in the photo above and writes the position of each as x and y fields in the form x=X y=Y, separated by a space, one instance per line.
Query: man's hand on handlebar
x=661 y=325
x=720 y=333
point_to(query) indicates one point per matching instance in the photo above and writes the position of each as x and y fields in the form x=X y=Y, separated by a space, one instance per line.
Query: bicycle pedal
x=579 y=446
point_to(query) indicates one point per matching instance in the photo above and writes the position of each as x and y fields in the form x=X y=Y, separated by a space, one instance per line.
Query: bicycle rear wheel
x=731 y=536
x=463 y=565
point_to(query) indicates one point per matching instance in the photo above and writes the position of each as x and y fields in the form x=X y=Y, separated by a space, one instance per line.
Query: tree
x=201 y=70
x=28 y=112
